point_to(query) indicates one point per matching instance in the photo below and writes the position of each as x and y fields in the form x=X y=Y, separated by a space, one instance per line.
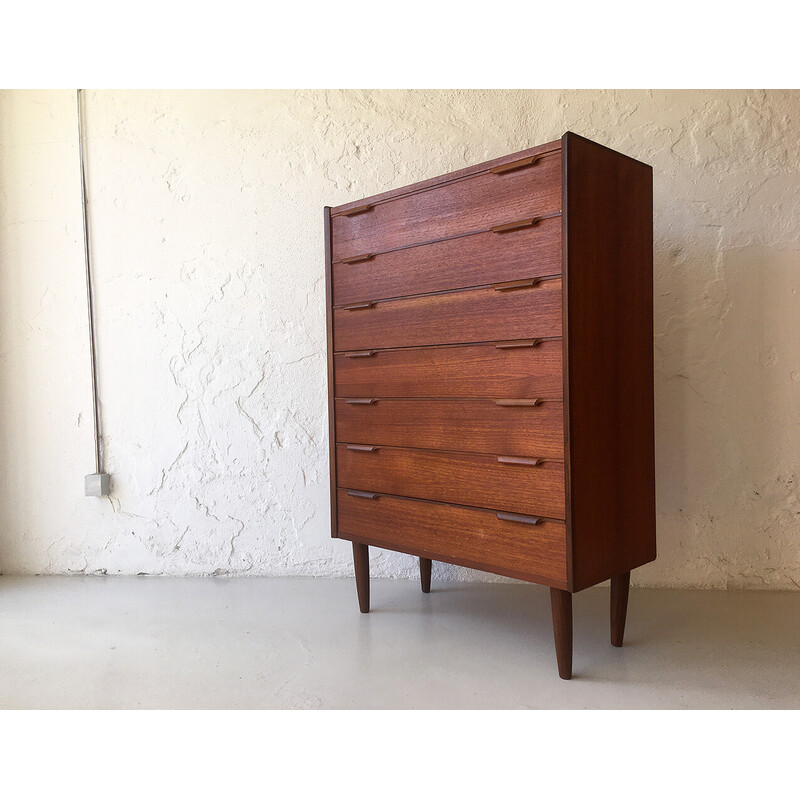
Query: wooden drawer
x=451 y=209
x=452 y=264
x=471 y=425
x=468 y=536
x=473 y=315
x=520 y=368
x=505 y=483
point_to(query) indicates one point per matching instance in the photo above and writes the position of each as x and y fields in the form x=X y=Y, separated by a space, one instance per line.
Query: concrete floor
x=91 y=642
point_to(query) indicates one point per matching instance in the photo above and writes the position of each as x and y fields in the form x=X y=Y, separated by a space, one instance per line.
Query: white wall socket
x=97 y=484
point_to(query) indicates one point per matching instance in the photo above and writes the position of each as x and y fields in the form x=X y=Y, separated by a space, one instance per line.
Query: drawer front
x=453 y=209
x=522 y=485
x=453 y=264
x=474 y=315
x=470 y=536
x=472 y=426
x=521 y=368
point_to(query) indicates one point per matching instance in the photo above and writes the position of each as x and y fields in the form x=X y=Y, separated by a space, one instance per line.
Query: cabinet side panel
x=331 y=384
x=609 y=276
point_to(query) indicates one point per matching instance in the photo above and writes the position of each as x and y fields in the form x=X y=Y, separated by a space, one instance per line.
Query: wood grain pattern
x=473 y=315
x=620 y=587
x=461 y=478
x=452 y=264
x=561 y=606
x=482 y=370
x=361 y=567
x=609 y=338
x=452 y=209
x=470 y=425
x=425 y=567
x=449 y=177
x=445 y=533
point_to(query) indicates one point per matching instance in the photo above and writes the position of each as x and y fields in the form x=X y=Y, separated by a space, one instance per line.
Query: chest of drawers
x=490 y=373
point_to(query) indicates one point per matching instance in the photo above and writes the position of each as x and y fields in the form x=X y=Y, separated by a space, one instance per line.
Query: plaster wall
x=206 y=212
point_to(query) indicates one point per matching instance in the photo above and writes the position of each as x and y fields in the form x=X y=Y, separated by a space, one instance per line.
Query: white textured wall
x=207 y=242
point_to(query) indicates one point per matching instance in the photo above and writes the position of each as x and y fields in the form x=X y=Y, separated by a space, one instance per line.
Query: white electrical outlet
x=97 y=484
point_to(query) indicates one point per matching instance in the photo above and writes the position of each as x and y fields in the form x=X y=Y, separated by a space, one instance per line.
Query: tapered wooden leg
x=361 y=564
x=425 y=574
x=619 y=606
x=561 y=603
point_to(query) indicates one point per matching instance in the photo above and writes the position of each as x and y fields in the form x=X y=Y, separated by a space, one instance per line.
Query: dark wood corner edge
x=570 y=135
x=565 y=141
x=579 y=586
x=331 y=386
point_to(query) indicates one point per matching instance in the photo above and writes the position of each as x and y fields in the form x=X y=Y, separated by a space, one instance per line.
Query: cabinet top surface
x=467 y=172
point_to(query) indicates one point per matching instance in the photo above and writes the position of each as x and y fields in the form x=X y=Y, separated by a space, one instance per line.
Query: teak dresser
x=490 y=372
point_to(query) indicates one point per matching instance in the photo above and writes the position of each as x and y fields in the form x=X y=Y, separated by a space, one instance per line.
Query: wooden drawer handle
x=360 y=353
x=360 y=401
x=508 y=286
x=512 y=403
x=353 y=212
x=527 y=462
x=518 y=343
x=516 y=226
x=518 y=518
x=515 y=165
x=356 y=259
x=356 y=306
x=367 y=495
x=363 y=448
